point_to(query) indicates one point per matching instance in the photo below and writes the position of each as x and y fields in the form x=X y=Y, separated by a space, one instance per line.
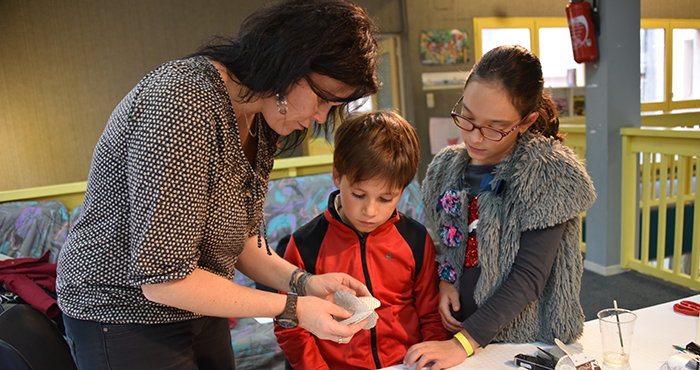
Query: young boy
x=362 y=233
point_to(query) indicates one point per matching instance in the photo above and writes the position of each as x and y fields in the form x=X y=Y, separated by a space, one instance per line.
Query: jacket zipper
x=365 y=270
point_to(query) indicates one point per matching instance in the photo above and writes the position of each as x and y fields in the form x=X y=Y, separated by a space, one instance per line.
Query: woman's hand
x=437 y=355
x=316 y=315
x=449 y=299
x=325 y=285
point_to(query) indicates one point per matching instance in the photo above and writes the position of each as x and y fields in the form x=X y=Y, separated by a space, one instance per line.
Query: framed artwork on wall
x=443 y=80
x=440 y=47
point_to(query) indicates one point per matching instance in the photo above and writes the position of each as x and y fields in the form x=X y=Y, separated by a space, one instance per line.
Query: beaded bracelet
x=465 y=343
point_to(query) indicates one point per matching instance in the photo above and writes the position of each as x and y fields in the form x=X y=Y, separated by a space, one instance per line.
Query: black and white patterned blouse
x=169 y=190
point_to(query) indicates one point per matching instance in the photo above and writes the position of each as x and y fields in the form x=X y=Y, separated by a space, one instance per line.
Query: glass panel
x=557 y=58
x=652 y=64
x=686 y=64
x=492 y=37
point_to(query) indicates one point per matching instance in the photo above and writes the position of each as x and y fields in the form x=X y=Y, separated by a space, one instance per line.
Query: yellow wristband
x=465 y=343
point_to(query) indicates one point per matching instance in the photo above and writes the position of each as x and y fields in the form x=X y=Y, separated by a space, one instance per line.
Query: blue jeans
x=203 y=343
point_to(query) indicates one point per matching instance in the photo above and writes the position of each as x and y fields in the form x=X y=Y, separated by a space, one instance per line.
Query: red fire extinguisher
x=582 y=30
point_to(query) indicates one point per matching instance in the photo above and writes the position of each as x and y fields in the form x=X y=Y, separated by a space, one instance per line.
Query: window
x=669 y=60
x=557 y=58
x=492 y=37
x=550 y=40
x=686 y=64
x=652 y=64
x=670 y=65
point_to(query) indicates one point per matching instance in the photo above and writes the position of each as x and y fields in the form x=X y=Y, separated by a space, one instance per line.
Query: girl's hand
x=449 y=299
x=439 y=355
x=325 y=285
x=316 y=315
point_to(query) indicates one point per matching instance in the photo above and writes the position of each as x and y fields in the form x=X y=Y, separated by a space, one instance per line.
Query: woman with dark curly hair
x=176 y=191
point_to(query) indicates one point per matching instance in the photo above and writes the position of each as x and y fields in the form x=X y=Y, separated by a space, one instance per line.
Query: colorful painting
x=439 y=47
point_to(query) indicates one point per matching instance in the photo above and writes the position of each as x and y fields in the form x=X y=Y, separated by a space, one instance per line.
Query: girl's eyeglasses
x=487 y=132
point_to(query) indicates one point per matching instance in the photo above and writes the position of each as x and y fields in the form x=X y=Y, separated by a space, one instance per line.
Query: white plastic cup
x=616 y=329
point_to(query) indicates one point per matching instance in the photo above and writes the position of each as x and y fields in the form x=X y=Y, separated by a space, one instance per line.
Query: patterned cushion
x=29 y=229
x=294 y=201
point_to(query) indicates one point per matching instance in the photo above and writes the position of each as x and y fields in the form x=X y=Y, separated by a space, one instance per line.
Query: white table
x=656 y=330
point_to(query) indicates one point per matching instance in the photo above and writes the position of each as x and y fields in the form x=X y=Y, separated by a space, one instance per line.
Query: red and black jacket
x=396 y=262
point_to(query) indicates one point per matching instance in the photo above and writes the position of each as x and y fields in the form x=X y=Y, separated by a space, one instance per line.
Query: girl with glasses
x=506 y=207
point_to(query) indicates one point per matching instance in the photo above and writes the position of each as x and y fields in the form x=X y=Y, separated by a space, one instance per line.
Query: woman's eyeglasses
x=487 y=132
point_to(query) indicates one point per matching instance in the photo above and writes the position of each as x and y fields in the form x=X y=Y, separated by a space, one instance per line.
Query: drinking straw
x=619 y=330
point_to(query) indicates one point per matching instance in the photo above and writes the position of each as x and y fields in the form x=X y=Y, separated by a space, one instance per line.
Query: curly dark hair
x=519 y=72
x=281 y=43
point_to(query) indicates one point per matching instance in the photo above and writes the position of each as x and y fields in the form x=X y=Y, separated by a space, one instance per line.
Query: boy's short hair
x=377 y=145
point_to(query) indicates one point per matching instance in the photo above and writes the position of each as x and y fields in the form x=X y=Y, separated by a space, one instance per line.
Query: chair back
x=11 y=359
x=29 y=340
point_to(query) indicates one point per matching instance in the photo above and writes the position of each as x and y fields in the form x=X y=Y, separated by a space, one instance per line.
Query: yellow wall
x=65 y=64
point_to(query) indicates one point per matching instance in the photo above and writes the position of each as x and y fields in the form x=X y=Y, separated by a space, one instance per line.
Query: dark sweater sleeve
x=525 y=283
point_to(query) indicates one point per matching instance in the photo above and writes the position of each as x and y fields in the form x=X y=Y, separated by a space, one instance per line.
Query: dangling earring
x=281 y=103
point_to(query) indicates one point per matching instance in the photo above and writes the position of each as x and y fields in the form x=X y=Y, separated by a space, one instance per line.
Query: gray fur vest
x=545 y=185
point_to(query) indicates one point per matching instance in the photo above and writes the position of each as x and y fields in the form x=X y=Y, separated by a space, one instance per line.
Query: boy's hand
x=449 y=299
x=325 y=285
x=436 y=355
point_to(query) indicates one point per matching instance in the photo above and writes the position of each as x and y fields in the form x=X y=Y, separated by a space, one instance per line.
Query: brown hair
x=519 y=72
x=377 y=145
